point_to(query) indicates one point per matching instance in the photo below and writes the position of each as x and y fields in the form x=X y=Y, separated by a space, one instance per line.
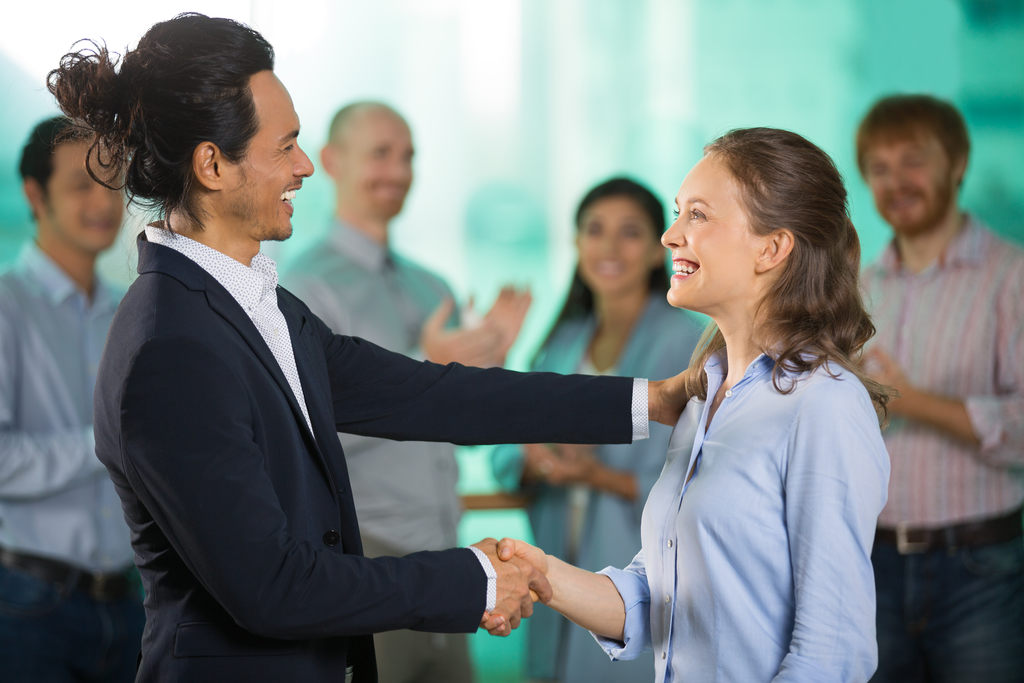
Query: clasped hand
x=522 y=580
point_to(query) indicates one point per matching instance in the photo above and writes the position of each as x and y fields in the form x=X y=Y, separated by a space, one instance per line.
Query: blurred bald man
x=404 y=491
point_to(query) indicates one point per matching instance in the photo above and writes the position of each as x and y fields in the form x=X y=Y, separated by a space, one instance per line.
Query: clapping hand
x=559 y=464
x=483 y=343
x=507 y=314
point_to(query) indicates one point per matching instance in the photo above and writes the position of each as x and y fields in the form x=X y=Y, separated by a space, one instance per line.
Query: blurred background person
x=70 y=606
x=404 y=491
x=947 y=296
x=586 y=501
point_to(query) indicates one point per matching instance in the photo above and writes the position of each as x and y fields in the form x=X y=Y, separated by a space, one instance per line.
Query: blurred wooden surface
x=494 y=501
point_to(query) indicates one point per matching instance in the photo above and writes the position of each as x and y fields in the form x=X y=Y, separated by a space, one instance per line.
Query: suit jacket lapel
x=321 y=414
x=313 y=385
x=155 y=257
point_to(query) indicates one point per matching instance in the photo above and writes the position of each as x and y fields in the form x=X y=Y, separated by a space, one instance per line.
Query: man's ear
x=959 y=169
x=35 y=194
x=330 y=159
x=209 y=166
x=775 y=248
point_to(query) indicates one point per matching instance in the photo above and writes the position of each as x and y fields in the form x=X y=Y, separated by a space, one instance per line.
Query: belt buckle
x=98 y=586
x=905 y=546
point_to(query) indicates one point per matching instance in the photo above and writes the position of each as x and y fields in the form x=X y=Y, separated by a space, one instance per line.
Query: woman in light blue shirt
x=756 y=539
x=586 y=501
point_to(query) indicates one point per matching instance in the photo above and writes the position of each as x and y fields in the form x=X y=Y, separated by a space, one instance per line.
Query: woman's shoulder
x=831 y=389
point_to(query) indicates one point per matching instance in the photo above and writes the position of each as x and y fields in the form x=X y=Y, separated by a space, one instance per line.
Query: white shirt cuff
x=492 y=578
x=641 y=418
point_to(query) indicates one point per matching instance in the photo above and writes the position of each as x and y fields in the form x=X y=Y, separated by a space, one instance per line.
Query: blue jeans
x=51 y=634
x=950 y=616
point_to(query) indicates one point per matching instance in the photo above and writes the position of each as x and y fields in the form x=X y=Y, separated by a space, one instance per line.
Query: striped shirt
x=957 y=330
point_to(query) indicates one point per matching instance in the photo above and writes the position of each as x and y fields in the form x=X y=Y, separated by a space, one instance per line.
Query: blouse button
x=668 y=599
x=670 y=543
x=663 y=655
x=728 y=393
x=331 y=538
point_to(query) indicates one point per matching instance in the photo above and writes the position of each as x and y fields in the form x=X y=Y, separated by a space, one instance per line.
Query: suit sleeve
x=379 y=393
x=188 y=450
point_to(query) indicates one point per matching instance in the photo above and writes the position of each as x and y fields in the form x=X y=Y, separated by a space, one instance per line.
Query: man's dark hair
x=186 y=82
x=37 y=154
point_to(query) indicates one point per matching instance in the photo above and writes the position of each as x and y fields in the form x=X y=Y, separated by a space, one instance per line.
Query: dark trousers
x=53 y=634
x=950 y=616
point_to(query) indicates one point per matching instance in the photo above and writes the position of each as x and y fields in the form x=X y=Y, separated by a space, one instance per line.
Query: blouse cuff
x=637 y=630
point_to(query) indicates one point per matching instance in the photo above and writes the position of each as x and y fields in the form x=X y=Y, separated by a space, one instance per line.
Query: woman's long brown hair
x=814 y=313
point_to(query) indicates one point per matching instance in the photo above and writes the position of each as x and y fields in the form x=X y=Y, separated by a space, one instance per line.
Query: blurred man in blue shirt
x=70 y=608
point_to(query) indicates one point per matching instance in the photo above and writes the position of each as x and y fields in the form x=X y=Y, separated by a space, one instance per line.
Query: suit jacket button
x=331 y=538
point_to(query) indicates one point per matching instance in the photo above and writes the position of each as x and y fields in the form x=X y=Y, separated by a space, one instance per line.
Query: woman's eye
x=696 y=215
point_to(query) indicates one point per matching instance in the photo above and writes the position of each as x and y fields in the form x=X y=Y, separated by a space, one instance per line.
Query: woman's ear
x=775 y=248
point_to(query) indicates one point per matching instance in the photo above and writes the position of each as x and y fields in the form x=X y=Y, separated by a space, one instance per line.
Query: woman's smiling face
x=714 y=252
x=618 y=247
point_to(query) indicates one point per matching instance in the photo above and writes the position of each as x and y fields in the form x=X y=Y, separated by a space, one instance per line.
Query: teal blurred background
x=518 y=106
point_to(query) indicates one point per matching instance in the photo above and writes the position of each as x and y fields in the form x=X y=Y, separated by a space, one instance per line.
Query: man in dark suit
x=219 y=394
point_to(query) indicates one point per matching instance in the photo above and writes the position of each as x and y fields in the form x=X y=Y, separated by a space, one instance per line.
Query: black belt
x=910 y=540
x=102 y=587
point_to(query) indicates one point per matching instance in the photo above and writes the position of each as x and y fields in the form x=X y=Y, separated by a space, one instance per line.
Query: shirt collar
x=358 y=246
x=717 y=365
x=247 y=285
x=55 y=282
x=967 y=248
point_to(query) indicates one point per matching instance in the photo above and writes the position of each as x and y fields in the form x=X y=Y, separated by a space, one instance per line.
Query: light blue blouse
x=759 y=568
x=660 y=346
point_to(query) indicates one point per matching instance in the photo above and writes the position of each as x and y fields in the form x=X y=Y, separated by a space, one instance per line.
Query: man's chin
x=910 y=227
x=387 y=210
x=278 y=234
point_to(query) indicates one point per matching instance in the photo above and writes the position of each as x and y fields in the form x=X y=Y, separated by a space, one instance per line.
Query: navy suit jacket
x=242 y=518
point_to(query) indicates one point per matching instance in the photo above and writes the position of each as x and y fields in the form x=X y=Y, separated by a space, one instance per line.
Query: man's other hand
x=666 y=398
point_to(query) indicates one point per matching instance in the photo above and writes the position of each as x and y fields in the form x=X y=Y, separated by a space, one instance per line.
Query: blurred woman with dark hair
x=756 y=539
x=586 y=500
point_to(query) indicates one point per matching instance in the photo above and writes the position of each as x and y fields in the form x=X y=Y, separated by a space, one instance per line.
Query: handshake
x=522 y=580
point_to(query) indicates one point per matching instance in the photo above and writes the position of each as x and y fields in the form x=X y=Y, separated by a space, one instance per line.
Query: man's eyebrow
x=290 y=136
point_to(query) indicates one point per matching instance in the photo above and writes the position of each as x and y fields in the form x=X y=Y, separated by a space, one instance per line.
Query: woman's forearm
x=616 y=482
x=588 y=599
